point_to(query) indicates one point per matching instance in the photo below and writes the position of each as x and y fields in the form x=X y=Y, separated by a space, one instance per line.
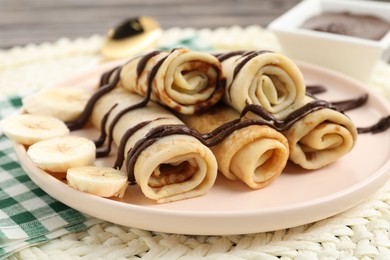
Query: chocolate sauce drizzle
x=265 y=118
x=81 y=121
x=105 y=78
x=246 y=56
x=312 y=90
x=349 y=104
x=100 y=141
x=106 y=86
x=345 y=105
x=209 y=139
x=220 y=133
x=126 y=136
x=141 y=104
x=224 y=56
x=382 y=125
x=293 y=117
x=144 y=60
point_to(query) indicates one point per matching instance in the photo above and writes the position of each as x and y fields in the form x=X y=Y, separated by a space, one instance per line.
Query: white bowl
x=353 y=56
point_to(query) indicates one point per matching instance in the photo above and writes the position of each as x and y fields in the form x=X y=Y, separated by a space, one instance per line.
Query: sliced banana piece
x=61 y=153
x=64 y=103
x=28 y=129
x=100 y=181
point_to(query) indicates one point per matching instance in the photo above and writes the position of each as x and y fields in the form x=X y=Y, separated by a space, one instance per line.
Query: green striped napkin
x=28 y=215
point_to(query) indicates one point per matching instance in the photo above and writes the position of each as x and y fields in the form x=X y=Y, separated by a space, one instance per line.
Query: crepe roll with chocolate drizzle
x=263 y=78
x=186 y=81
x=320 y=137
x=168 y=167
x=254 y=153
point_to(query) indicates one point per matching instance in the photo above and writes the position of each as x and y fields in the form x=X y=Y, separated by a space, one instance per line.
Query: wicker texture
x=359 y=233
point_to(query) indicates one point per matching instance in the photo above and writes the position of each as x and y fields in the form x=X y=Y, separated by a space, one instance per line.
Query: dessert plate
x=297 y=197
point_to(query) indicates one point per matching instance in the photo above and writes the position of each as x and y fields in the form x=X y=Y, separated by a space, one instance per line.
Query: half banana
x=100 y=181
x=61 y=153
x=28 y=129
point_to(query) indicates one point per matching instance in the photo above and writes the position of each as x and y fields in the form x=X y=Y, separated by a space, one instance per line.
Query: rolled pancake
x=263 y=78
x=186 y=81
x=173 y=168
x=255 y=154
x=320 y=138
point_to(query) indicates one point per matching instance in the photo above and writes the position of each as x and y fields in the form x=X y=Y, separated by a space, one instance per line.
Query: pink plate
x=297 y=197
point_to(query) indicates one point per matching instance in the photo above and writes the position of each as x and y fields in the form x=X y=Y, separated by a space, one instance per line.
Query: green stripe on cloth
x=29 y=216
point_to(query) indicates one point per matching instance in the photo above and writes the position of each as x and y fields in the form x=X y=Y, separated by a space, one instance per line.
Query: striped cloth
x=29 y=216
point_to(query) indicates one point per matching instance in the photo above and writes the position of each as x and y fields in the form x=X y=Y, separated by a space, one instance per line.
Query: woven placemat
x=362 y=232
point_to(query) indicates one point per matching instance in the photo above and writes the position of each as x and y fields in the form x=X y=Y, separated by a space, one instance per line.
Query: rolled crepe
x=186 y=81
x=255 y=154
x=176 y=166
x=263 y=78
x=320 y=138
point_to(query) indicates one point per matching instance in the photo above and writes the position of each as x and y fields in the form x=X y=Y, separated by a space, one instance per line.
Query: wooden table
x=36 y=21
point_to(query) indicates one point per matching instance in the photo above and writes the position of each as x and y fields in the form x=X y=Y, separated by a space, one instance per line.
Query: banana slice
x=100 y=181
x=64 y=103
x=28 y=129
x=61 y=153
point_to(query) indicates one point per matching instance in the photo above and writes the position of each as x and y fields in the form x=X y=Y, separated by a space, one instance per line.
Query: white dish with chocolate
x=325 y=32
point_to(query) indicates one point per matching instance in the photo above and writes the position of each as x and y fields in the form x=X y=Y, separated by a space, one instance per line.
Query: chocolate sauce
x=127 y=28
x=209 y=139
x=382 y=125
x=350 y=104
x=220 y=86
x=82 y=120
x=224 y=56
x=126 y=136
x=115 y=120
x=141 y=104
x=220 y=129
x=220 y=133
x=312 y=90
x=150 y=77
x=345 y=23
x=106 y=86
x=246 y=57
x=144 y=60
x=105 y=78
x=343 y=105
x=153 y=136
x=100 y=141
x=296 y=115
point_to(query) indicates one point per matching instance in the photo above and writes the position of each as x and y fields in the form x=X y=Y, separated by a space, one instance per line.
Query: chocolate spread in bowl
x=345 y=23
